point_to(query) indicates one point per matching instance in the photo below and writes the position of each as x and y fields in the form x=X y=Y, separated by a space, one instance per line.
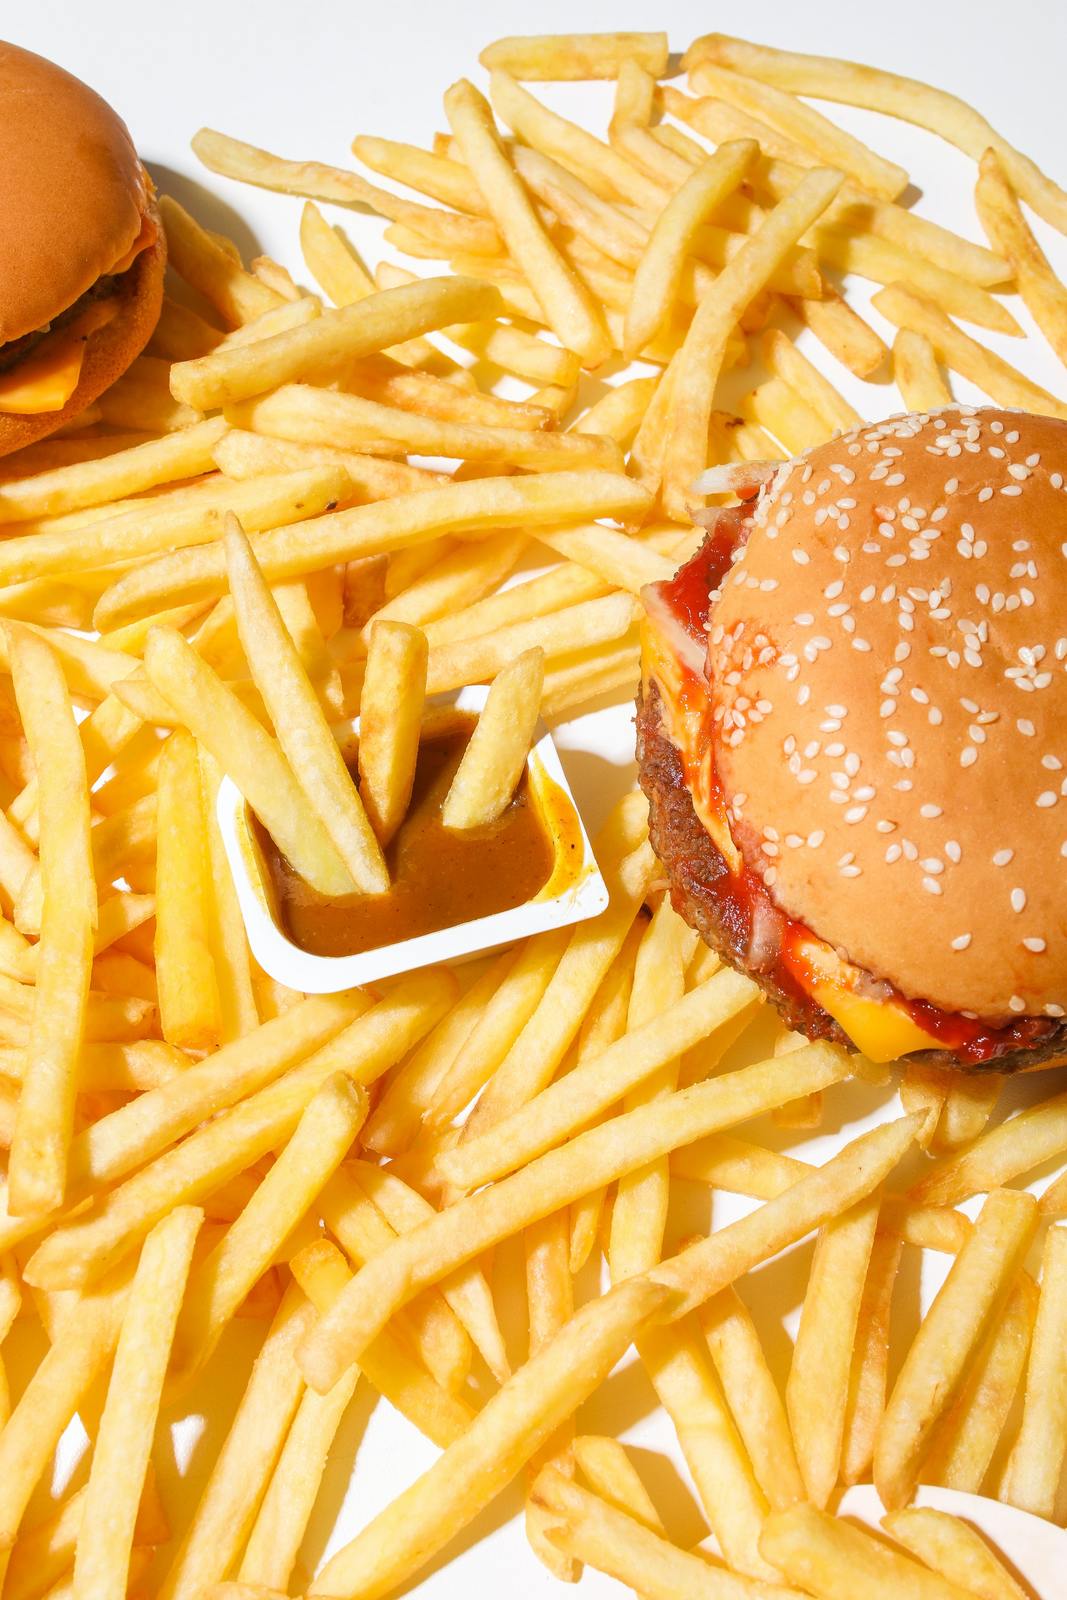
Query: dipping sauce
x=439 y=876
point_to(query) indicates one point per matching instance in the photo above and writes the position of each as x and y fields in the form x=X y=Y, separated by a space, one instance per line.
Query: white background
x=302 y=78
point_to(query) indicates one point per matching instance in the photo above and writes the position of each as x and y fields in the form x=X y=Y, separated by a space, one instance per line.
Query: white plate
x=585 y=896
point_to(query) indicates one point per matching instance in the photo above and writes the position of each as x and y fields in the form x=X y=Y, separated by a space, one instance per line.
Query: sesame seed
x=1018 y=899
x=961 y=941
x=1035 y=945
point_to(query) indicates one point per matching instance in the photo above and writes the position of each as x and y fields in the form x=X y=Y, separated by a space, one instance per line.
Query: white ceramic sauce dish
x=574 y=892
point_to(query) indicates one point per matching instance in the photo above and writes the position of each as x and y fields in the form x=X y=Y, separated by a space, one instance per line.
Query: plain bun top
x=888 y=662
x=72 y=190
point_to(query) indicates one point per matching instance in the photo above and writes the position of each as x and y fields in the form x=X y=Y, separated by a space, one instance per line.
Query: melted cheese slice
x=46 y=380
x=881 y=1029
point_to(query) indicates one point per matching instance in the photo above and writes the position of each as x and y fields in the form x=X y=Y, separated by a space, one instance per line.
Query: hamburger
x=82 y=251
x=852 y=732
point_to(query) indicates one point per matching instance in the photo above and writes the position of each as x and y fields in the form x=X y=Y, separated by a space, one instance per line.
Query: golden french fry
x=351 y=422
x=127 y=1426
x=299 y=721
x=554 y=1180
x=935 y=1366
x=435 y=175
x=216 y=717
x=609 y=1472
x=278 y=1532
x=916 y=102
x=816 y=1395
x=476 y=660
x=882 y=262
x=189 y=1007
x=1033 y=1473
x=469 y=507
x=995 y=376
x=327 y=344
x=1008 y=231
x=845 y=334
x=951 y=1547
x=830 y=1556
x=37 y=1171
x=391 y=707
x=570 y=310
x=575 y=56
x=504 y=1435
x=917 y=374
x=242 y=1470
x=752 y=1396
x=318 y=1145
x=657 y=279
x=1007 y=1151
x=210 y=268
x=254 y=455
x=550 y=1305
x=782 y=357
x=702 y=353
x=495 y=757
x=870 y=1361
x=618 y=413
x=249 y=164
x=777 y=407
x=561 y=586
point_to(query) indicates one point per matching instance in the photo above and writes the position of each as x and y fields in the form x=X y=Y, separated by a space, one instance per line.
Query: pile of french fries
x=234 y=552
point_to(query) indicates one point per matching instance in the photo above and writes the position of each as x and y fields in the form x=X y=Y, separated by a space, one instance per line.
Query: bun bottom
x=108 y=352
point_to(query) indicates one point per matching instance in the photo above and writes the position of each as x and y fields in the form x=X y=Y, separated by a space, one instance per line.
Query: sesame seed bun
x=75 y=199
x=888 y=668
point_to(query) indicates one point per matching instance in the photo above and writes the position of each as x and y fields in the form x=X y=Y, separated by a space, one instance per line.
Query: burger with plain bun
x=852 y=733
x=82 y=251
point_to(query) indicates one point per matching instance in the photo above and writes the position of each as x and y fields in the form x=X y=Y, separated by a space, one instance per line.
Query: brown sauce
x=439 y=876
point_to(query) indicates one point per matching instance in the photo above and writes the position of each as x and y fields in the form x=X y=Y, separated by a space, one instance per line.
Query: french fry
x=1008 y=232
x=504 y=1435
x=990 y=372
x=1007 y=1151
x=870 y=1361
x=606 y=172
x=209 y=267
x=968 y=1106
x=617 y=414
x=916 y=102
x=391 y=708
x=777 y=407
x=327 y=344
x=407 y=1095
x=935 y=1366
x=189 y=1005
x=500 y=1025
x=782 y=357
x=816 y=1394
x=350 y=422
x=882 y=262
x=658 y=276
x=951 y=1547
x=496 y=754
x=639 y=1213
x=299 y=721
x=278 y=1532
x=37 y=1171
x=246 y=1131
x=545 y=1185
x=702 y=353
x=783 y=111
x=575 y=56
x=550 y=1303
x=124 y=1439
x=845 y=334
x=570 y=311
x=243 y=1467
x=1032 y=1477
x=252 y=455
x=917 y=374
x=386 y=381
x=437 y=176
x=561 y=586
x=753 y=1398
x=476 y=660
x=216 y=717
x=965 y=1441
x=561 y=1108
x=45 y=1552
x=220 y=1283
x=52 y=1397
x=312 y=179
x=534 y=501
x=609 y=1472
x=321 y=1272
x=829 y=1556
